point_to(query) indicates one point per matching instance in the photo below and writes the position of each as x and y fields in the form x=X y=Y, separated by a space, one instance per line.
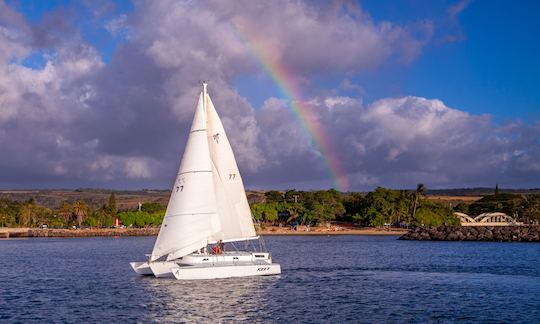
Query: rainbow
x=306 y=116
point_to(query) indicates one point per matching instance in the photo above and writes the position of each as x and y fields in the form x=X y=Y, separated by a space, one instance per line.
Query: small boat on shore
x=208 y=212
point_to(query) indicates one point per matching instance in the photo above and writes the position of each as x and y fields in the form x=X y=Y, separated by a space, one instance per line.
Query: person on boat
x=221 y=246
x=216 y=249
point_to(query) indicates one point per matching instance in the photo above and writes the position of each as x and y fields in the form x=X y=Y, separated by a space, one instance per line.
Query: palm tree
x=420 y=191
x=80 y=209
x=28 y=213
x=66 y=212
x=112 y=204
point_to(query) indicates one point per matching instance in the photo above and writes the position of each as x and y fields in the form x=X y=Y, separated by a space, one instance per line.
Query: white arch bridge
x=487 y=219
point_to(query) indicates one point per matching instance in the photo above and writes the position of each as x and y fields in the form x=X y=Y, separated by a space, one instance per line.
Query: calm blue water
x=325 y=279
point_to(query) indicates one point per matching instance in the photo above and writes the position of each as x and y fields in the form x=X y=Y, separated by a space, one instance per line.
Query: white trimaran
x=208 y=205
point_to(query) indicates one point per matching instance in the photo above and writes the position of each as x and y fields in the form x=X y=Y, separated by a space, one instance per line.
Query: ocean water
x=337 y=279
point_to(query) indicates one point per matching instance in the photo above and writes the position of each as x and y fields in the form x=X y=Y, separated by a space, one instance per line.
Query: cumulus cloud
x=78 y=121
x=401 y=141
x=137 y=168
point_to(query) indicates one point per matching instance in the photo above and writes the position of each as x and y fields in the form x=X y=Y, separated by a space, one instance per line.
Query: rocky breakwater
x=84 y=232
x=526 y=233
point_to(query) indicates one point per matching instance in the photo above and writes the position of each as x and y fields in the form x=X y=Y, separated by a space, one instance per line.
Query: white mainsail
x=233 y=208
x=191 y=219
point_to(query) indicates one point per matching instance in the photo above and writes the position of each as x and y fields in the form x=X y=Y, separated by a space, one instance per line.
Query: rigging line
x=261 y=239
x=253 y=246
x=217 y=170
x=234 y=246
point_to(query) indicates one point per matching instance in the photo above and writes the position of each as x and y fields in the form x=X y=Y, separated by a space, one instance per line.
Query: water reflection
x=233 y=299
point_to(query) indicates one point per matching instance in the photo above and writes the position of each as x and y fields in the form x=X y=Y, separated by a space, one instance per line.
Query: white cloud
x=138 y=168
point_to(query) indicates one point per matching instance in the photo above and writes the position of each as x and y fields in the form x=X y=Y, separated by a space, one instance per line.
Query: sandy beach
x=332 y=230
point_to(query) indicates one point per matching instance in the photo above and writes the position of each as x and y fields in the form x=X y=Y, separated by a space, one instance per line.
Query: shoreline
x=276 y=231
x=7 y=233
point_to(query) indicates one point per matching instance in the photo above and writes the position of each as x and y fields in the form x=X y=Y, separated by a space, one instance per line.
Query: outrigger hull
x=142 y=268
x=163 y=269
x=225 y=271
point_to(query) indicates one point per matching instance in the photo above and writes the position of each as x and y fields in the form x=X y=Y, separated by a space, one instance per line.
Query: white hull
x=225 y=271
x=163 y=269
x=142 y=268
x=209 y=266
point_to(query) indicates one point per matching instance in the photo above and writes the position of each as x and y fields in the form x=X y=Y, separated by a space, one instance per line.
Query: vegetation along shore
x=94 y=212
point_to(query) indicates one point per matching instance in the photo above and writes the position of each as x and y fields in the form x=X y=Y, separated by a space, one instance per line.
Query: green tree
x=273 y=196
x=112 y=204
x=43 y=215
x=66 y=213
x=503 y=202
x=140 y=219
x=56 y=222
x=80 y=209
x=152 y=208
x=403 y=208
x=103 y=216
x=295 y=210
x=420 y=191
x=462 y=208
x=332 y=202
x=531 y=208
x=311 y=216
x=29 y=213
x=90 y=221
x=353 y=203
x=383 y=206
x=10 y=212
x=431 y=214
x=293 y=196
x=265 y=212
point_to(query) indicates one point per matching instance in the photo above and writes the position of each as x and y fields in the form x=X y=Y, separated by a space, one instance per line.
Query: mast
x=204 y=84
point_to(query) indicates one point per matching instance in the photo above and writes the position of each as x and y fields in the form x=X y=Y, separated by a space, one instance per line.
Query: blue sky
x=408 y=91
x=494 y=69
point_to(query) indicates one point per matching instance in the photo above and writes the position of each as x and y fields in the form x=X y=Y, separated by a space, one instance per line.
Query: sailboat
x=207 y=211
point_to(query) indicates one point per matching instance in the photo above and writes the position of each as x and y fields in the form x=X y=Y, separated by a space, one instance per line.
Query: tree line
x=291 y=207
x=377 y=208
x=78 y=214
